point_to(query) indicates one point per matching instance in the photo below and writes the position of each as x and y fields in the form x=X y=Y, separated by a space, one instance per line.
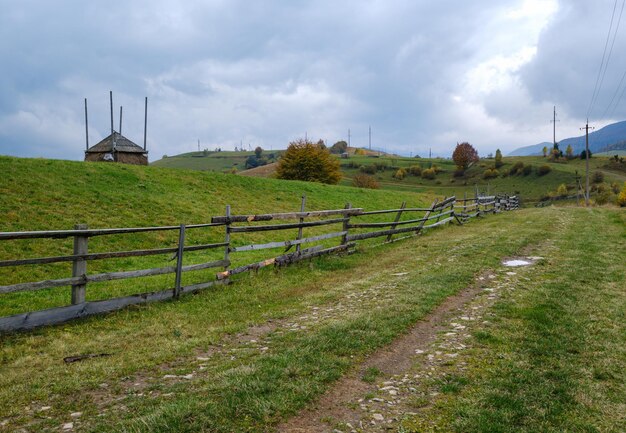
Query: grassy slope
x=213 y=161
x=42 y=194
x=530 y=187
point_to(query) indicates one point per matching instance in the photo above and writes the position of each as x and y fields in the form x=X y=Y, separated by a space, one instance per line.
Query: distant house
x=345 y=155
x=117 y=148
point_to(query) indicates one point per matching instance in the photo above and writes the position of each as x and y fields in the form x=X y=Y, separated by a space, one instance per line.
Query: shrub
x=369 y=169
x=307 y=161
x=543 y=170
x=583 y=156
x=598 y=177
x=365 y=181
x=505 y=173
x=381 y=165
x=339 y=147
x=437 y=168
x=415 y=170
x=458 y=173
x=517 y=168
x=527 y=170
x=429 y=173
x=561 y=191
x=621 y=198
x=399 y=174
x=491 y=173
x=499 y=162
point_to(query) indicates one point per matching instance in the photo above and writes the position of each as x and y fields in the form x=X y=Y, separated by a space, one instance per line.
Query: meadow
x=251 y=355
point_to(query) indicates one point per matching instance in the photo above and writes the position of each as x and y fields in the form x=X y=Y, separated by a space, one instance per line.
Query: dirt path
x=405 y=370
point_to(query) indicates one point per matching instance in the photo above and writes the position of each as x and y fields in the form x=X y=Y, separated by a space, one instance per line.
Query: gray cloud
x=422 y=74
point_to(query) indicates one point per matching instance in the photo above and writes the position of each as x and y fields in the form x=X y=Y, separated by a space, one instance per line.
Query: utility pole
x=348 y=137
x=370 y=137
x=553 y=121
x=586 y=128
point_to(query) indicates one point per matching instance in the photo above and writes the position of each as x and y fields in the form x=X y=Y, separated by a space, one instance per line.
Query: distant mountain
x=611 y=137
x=535 y=149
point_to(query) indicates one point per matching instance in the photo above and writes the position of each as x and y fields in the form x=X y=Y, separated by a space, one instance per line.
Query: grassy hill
x=531 y=187
x=223 y=161
x=39 y=194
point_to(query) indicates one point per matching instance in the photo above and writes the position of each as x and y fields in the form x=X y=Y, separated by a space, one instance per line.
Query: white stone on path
x=378 y=417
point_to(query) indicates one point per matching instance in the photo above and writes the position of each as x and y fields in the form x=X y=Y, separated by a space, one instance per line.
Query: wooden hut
x=117 y=148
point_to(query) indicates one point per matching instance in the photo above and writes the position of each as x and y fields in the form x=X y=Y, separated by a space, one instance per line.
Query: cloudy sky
x=424 y=74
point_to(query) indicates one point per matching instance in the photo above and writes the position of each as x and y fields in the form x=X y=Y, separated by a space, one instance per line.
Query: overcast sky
x=424 y=74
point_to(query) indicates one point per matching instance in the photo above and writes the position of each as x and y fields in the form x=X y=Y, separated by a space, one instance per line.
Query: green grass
x=254 y=390
x=554 y=360
x=211 y=161
x=42 y=194
x=531 y=187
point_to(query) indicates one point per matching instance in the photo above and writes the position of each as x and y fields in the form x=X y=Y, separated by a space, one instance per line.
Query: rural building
x=117 y=148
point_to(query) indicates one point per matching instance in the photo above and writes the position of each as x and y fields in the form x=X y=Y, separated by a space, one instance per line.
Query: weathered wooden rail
x=348 y=229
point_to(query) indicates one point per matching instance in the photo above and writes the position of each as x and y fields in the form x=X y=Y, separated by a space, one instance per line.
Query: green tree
x=339 y=147
x=569 y=152
x=464 y=155
x=545 y=151
x=499 y=162
x=308 y=161
x=258 y=151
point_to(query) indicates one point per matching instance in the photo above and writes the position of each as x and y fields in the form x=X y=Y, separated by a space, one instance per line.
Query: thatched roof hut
x=117 y=148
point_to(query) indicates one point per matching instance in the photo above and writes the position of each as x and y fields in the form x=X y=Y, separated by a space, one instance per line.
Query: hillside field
x=544 y=351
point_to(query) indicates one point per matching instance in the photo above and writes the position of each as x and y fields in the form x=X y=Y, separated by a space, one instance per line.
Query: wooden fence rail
x=439 y=213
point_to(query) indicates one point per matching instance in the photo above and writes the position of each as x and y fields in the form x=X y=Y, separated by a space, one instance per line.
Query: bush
x=544 y=169
x=499 y=162
x=505 y=173
x=621 y=198
x=598 y=177
x=307 y=161
x=399 y=174
x=491 y=173
x=365 y=181
x=517 y=168
x=415 y=170
x=369 y=169
x=381 y=165
x=437 y=168
x=583 y=156
x=527 y=170
x=561 y=191
x=429 y=173
x=458 y=173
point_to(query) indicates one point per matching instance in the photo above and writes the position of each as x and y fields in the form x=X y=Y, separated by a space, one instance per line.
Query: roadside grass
x=554 y=359
x=255 y=389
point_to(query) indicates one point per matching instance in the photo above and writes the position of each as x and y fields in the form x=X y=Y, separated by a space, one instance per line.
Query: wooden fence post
x=227 y=241
x=179 y=261
x=79 y=266
x=346 y=224
x=440 y=211
x=302 y=204
x=402 y=206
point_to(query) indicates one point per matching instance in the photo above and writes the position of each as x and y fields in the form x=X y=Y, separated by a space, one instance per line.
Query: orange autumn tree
x=464 y=155
x=305 y=160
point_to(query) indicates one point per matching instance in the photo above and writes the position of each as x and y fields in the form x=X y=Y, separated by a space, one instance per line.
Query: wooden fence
x=352 y=230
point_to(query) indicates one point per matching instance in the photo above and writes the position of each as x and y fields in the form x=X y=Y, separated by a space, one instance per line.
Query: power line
x=617 y=91
x=596 y=89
